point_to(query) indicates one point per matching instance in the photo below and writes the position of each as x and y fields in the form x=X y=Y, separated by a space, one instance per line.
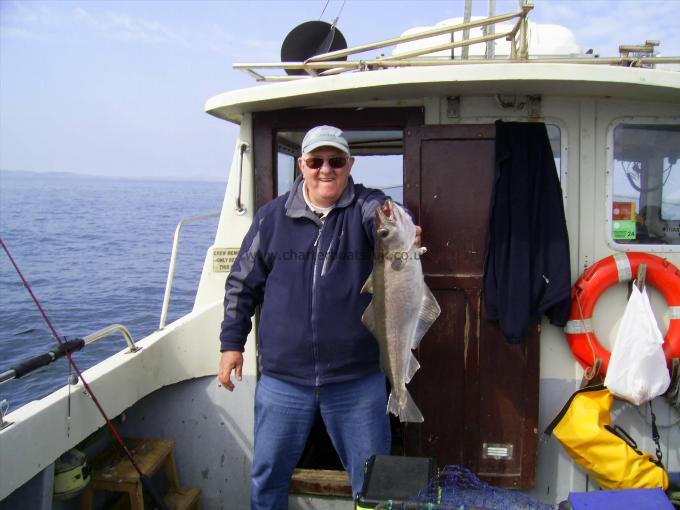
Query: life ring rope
x=589 y=331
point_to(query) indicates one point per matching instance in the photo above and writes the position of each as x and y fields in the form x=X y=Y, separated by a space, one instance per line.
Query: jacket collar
x=297 y=208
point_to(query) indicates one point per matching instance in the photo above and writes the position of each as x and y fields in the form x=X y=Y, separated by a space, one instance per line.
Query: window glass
x=555 y=136
x=377 y=154
x=285 y=172
x=378 y=158
x=381 y=172
x=646 y=184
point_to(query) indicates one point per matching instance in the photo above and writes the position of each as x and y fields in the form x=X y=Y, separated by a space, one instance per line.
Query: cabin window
x=381 y=172
x=378 y=160
x=285 y=173
x=555 y=137
x=645 y=182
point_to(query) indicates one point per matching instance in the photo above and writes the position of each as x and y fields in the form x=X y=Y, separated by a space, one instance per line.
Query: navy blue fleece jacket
x=307 y=275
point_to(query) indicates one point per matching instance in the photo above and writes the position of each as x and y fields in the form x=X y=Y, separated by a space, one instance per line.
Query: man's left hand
x=418 y=240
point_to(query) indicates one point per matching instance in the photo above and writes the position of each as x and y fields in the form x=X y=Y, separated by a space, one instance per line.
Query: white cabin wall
x=232 y=435
x=584 y=125
x=635 y=420
x=588 y=124
x=232 y=227
x=231 y=230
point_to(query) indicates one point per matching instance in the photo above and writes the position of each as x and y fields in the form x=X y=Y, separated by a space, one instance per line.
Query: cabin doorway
x=479 y=394
x=376 y=136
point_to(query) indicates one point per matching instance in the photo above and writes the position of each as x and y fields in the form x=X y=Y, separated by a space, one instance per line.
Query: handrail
x=327 y=64
x=68 y=346
x=327 y=61
x=343 y=65
x=334 y=55
x=447 y=46
x=173 y=261
x=113 y=328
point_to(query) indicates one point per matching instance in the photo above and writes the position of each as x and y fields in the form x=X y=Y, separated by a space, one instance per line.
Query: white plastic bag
x=637 y=368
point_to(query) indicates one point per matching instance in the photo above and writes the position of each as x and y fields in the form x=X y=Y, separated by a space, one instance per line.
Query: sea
x=95 y=252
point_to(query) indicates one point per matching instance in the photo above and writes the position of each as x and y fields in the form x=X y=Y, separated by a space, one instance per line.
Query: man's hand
x=230 y=360
x=418 y=240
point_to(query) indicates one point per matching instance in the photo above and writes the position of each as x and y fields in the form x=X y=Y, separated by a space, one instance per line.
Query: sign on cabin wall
x=223 y=259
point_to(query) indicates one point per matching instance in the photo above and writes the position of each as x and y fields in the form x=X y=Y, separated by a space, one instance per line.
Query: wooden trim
x=266 y=124
x=264 y=161
x=321 y=482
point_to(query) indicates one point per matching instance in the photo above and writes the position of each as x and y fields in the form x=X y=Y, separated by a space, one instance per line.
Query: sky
x=118 y=88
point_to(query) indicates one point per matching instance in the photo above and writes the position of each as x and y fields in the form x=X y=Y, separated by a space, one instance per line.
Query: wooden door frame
x=266 y=125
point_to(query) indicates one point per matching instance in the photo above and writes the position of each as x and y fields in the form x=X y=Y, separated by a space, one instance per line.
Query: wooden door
x=478 y=393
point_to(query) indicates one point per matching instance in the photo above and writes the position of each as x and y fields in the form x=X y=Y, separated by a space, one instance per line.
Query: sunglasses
x=334 y=162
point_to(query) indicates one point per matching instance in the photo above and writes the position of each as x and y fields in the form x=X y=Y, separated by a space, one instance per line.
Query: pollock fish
x=402 y=308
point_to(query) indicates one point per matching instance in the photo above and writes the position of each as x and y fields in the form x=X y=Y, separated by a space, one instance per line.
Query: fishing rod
x=41 y=360
x=146 y=481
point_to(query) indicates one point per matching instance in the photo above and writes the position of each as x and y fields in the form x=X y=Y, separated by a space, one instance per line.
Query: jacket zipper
x=315 y=340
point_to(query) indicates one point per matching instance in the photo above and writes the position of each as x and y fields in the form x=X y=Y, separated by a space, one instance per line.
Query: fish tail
x=404 y=407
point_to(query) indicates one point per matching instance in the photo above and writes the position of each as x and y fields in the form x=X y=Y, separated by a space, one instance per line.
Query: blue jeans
x=355 y=415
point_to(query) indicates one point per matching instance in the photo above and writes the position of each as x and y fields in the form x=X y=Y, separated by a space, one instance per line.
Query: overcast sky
x=118 y=88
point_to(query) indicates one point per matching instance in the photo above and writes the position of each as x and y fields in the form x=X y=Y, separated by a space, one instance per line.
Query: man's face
x=326 y=183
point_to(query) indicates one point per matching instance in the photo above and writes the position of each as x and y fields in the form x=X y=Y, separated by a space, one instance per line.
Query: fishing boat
x=423 y=118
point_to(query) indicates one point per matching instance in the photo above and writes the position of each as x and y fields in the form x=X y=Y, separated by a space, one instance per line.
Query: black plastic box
x=394 y=479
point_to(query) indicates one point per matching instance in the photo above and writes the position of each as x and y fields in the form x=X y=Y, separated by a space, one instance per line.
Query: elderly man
x=305 y=259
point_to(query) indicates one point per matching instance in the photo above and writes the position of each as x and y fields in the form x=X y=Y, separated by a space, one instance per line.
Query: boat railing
x=173 y=263
x=110 y=330
x=329 y=64
x=64 y=348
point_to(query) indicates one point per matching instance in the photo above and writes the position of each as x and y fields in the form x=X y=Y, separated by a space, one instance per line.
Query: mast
x=466 y=31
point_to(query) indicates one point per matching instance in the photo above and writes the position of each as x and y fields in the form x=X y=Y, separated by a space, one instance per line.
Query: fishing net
x=458 y=488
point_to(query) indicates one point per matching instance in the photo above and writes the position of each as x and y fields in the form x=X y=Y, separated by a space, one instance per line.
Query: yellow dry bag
x=606 y=452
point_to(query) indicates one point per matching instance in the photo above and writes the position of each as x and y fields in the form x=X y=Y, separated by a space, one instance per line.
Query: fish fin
x=405 y=407
x=411 y=368
x=368 y=318
x=368 y=285
x=428 y=313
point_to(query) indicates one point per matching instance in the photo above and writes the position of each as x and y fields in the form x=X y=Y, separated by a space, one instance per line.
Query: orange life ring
x=601 y=276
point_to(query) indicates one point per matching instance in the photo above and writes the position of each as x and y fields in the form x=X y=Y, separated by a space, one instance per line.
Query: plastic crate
x=394 y=480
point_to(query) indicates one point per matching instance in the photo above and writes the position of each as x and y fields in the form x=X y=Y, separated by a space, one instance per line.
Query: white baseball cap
x=324 y=136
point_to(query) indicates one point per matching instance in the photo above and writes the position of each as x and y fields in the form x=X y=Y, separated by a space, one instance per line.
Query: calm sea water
x=95 y=252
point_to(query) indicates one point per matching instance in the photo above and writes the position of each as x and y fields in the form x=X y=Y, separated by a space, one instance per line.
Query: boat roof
x=385 y=86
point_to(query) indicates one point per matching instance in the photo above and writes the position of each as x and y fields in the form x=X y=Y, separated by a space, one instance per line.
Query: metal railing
x=328 y=64
x=173 y=262
x=110 y=330
x=65 y=348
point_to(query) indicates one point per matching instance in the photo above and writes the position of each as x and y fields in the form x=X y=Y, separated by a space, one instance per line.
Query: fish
x=402 y=307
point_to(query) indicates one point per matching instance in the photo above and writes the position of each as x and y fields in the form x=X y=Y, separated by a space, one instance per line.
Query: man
x=305 y=259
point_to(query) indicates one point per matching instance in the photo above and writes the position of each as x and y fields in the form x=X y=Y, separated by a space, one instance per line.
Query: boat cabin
x=421 y=124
